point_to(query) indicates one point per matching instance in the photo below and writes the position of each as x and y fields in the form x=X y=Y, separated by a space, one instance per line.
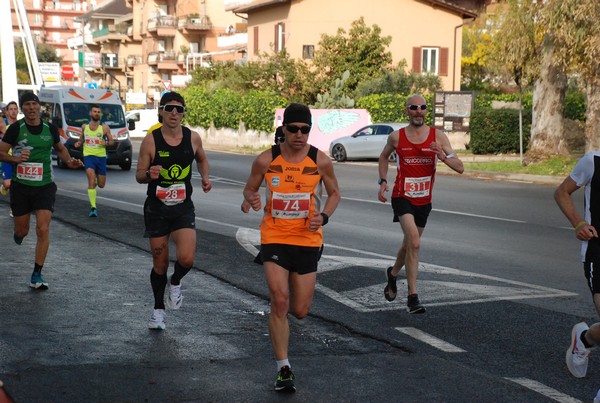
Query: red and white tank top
x=416 y=165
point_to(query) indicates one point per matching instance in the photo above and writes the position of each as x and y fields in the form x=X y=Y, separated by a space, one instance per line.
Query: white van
x=68 y=108
x=143 y=119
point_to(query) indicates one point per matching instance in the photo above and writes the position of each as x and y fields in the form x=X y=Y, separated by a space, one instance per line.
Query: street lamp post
x=82 y=53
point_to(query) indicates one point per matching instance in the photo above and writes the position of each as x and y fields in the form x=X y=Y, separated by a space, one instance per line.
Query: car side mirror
x=131 y=124
x=355 y=135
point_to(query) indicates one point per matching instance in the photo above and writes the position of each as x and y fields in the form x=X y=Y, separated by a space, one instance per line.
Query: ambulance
x=68 y=107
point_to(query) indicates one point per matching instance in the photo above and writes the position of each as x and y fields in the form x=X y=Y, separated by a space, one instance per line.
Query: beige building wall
x=410 y=23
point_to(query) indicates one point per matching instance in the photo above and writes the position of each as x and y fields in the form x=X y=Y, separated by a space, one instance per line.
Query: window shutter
x=443 y=67
x=255 y=40
x=282 y=35
x=416 y=60
x=276 y=41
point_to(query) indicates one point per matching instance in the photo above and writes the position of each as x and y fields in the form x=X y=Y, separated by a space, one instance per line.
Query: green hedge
x=496 y=131
x=389 y=107
x=226 y=108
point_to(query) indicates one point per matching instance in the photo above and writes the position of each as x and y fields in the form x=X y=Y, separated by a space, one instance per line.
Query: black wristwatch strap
x=325 y=219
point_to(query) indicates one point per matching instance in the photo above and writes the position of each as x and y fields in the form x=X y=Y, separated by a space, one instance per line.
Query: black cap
x=297 y=113
x=28 y=96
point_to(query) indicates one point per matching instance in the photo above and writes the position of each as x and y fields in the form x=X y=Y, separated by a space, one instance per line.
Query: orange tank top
x=293 y=197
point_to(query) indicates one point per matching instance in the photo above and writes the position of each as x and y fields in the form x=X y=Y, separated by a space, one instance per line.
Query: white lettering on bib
x=171 y=195
x=31 y=171
x=417 y=187
x=92 y=141
x=290 y=205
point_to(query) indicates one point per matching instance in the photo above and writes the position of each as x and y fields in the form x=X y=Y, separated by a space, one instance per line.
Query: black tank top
x=176 y=161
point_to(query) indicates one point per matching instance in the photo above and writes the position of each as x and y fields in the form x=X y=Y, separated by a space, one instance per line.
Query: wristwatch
x=381 y=180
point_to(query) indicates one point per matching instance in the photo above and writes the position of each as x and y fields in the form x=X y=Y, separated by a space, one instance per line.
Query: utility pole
x=9 y=69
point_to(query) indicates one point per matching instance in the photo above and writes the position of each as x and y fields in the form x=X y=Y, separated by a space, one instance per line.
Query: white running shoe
x=174 y=297
x=577 y=356
x=157 y=320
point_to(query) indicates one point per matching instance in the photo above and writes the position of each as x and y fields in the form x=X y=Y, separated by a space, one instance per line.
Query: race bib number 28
x=290 y=205
x=171 y=195
x=31 y=171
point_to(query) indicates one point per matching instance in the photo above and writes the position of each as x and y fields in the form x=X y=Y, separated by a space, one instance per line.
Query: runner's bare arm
x=201 y=162
x=446 y=154
x=145 y=157
x=109 y=138
x=384 y=158
x=257 y=174
x=63 y=154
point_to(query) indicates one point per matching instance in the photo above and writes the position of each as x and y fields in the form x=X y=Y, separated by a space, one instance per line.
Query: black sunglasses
x=170 y=108
x=416 y=107
x=294 y=129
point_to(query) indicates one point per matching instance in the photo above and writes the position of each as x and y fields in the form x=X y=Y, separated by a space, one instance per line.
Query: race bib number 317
x=417 y=187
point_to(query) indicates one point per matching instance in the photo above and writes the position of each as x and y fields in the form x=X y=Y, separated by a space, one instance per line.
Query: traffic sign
x=167 y=84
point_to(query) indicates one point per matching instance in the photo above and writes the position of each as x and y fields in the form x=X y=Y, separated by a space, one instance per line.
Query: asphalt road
x=496 y=328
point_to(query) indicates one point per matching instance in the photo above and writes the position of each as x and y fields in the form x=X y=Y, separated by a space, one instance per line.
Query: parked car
x=366 y=143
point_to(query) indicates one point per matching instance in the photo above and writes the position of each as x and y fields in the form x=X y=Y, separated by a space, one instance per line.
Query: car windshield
x=77 y=114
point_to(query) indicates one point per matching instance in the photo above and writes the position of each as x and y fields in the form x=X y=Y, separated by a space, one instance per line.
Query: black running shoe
x=18 y=240
x=413 y=305
x=390 y=289
x=285 y=380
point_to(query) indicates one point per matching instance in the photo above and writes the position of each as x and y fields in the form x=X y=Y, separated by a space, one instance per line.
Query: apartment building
x=427 y=34
x=54 y=22
x=135 y=45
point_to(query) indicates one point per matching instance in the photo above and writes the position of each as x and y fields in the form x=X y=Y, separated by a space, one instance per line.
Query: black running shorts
x=402 y=206
x=161 y=220
x=297 y=259
x=593 y=278
x=26 y=199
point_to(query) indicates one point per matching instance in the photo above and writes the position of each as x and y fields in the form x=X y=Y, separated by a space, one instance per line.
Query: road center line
x=431 y=340
x=544 y=390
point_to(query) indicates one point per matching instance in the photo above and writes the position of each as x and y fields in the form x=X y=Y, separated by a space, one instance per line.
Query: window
x=430 y=60
x=279 y=37
x=255 y=42
x=56 y=21
x=308 y=51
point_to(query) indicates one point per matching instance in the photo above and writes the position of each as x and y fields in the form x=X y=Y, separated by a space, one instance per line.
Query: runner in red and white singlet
x=419 y=148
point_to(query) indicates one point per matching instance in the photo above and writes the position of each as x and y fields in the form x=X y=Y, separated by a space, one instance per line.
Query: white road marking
x=444 y=287
x=544 y=390
x=429 y=339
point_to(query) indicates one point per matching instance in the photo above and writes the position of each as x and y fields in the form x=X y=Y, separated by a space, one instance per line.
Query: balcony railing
x=197 y=23
x=157 y=57
x=164 y=21
x=132 y=60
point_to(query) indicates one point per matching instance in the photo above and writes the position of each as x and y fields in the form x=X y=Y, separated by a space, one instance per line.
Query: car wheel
x=393 y=157
x=338 y=152
x=125 y=166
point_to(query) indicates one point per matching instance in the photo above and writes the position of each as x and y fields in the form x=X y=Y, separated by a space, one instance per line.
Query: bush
x=226 y=108
x=389 y=107
x=496 y=131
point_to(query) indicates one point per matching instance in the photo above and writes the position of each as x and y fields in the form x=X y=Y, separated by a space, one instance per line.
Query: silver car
x=366 y=143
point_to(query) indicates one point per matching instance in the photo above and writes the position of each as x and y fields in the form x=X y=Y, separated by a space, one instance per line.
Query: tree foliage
x=362 y=51
x=398 y=81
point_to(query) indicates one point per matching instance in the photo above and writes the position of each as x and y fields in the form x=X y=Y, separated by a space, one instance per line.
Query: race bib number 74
x=290 y=205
